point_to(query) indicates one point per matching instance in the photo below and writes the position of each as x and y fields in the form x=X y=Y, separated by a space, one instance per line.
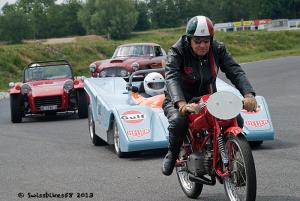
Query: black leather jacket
x=189 y=76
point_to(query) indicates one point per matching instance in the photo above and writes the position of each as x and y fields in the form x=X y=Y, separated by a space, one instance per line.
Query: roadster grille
x=114 y=72
x=50 y=100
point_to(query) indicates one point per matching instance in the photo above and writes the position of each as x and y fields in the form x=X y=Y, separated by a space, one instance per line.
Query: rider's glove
x=191 y=108
x=250 y=103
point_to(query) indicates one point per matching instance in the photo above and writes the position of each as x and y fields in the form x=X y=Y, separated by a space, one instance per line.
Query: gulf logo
x=132 y=116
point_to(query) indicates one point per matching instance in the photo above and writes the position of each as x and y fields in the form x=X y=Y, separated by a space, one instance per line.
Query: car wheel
x=16 y=108
x=82 y=104
x=117 y=142
x=96 y=140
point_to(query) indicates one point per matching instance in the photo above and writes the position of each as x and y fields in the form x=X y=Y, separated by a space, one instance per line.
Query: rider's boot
x=170 y=161
x=175 y=141
x=178 y=125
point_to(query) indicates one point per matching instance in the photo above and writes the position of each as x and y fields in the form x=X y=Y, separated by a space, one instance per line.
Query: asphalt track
x=55 y=155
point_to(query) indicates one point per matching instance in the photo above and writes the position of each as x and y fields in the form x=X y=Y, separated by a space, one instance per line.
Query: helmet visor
x=156 y=85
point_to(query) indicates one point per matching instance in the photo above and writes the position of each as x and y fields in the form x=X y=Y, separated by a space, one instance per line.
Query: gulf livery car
x=47 y=87
x=128 y=58
x=120 y=114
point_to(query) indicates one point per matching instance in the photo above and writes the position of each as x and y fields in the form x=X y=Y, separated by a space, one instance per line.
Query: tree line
x=116 y=19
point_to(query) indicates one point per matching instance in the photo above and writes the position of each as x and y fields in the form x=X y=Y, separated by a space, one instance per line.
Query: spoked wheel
x=240 y=185
x=191 y=189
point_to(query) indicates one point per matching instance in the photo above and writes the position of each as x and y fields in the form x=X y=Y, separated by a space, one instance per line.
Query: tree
x=36 y=10
x=14 y=26
x=63 y=21
x=143 y=19
x=84 y=16
x=114 y=18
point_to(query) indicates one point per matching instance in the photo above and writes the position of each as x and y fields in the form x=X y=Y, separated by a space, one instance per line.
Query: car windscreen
x=135 y=50
x=48 y=72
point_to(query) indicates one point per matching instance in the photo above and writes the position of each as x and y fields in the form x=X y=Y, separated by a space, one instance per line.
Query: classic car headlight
x=103 y=73
x=93 y=67
x=135 y=66
x=25 y=88
x=123 y=73
x=68 y=85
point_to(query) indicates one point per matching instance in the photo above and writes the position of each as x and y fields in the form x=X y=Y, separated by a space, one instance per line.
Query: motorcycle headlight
x=103 y=73
x=68 y=85
x=25 y=88
x=123 y=73
x=135 y=66
x=93 y=67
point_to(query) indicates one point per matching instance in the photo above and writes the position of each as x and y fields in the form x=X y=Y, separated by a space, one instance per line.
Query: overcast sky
x=2 y=2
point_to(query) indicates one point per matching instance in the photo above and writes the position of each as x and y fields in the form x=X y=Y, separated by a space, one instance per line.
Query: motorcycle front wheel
x=190 y=189
x=240 y=184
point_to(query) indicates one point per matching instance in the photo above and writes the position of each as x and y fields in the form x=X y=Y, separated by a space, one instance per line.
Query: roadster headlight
x=93 y=67
x=25 y=88
x=103 y=73
x=68 y=85
x=135 y=66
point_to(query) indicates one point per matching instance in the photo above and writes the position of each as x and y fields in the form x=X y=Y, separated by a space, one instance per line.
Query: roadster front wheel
x=16 y=108
x=82 y=104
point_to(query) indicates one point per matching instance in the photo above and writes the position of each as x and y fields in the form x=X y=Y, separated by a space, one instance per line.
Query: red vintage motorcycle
x=216 y=148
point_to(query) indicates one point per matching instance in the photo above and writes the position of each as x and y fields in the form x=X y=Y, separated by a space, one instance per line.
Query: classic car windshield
x=135 y=50
x=48 y=72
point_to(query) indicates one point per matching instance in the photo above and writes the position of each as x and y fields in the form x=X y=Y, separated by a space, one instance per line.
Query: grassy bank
x=244 y=46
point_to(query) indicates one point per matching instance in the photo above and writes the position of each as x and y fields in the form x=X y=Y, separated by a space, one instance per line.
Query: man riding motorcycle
x=191 y=70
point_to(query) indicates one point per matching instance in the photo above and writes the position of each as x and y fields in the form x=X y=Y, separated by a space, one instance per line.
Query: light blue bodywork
x=146 y=127
x=257 y=126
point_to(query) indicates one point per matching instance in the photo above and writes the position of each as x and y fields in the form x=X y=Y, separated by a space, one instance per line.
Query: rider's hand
x=191 y=108
x=250 y=103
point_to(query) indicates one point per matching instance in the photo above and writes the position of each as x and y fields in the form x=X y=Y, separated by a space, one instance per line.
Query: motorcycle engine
x=199 y=163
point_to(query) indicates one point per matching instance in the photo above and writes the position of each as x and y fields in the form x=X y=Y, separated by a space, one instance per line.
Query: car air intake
x=50 y=100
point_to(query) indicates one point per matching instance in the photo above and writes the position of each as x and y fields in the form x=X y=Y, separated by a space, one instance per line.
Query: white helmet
x=154 y=84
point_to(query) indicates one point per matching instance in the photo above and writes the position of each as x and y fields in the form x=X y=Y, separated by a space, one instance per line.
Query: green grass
x=244 y=46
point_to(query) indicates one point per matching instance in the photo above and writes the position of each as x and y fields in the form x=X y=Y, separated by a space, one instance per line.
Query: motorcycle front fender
x=235 y=130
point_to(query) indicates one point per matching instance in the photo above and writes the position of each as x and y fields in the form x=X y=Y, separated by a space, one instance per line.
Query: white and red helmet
x=200 y=26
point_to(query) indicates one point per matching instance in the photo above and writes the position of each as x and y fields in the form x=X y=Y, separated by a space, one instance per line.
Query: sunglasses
x=199 y=40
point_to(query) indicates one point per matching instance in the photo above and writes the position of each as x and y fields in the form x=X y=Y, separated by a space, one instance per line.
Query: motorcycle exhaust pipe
x=202 y=180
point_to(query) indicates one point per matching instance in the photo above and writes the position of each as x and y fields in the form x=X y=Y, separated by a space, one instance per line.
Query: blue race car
x=121 y=114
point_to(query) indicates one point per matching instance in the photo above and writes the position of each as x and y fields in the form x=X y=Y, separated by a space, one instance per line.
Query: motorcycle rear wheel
x=240 y=185
x=190 y=189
